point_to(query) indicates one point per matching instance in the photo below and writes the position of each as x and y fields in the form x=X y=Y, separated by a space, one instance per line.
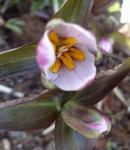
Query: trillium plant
x=65 y=58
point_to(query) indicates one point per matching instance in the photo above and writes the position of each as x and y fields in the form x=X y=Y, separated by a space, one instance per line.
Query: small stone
x=2 y=22
x=6 y=144
x=17 y=135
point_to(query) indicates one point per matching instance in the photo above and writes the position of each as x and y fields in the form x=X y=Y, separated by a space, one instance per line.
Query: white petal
x=83 y=74
x=85 y=39
x=46 y=56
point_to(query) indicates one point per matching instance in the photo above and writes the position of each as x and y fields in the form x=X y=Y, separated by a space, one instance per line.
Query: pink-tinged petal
x=106 y=46
x=46 y=56
x=83 y=74
x=88 y=121
x=84 y=37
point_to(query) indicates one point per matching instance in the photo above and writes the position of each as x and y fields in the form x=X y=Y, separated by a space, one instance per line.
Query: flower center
x=66 y=52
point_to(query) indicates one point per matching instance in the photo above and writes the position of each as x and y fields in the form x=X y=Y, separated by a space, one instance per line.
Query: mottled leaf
x=76 y=11
x=18 y=60
x=15 y=25
x=68 y=139
x=30 y=112
x=88 y=121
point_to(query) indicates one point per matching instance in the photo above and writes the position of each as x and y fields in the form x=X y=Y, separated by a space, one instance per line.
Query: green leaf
x=29 y=113
x=15 y=25
x=38 y=5
x=60 y=2
x=68 y=139
x=18 y=60
x=76 y=11
x=103 y=85
x=15 y=2
x=115 y=7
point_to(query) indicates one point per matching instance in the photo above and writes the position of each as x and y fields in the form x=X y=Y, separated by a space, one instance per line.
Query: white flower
x=65 y=55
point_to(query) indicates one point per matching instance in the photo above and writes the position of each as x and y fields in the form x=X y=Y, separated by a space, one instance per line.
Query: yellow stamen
x=69 y=42
x=67 y=60
x=76 y=54
x=56 y=67
x=54 y=46
x=54 y=38
x=65 y=52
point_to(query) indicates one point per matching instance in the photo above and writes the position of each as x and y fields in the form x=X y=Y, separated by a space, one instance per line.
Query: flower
x=65 y=55
x=106 y=45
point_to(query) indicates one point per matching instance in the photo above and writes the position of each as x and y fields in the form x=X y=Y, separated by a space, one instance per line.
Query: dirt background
x=116 y=104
